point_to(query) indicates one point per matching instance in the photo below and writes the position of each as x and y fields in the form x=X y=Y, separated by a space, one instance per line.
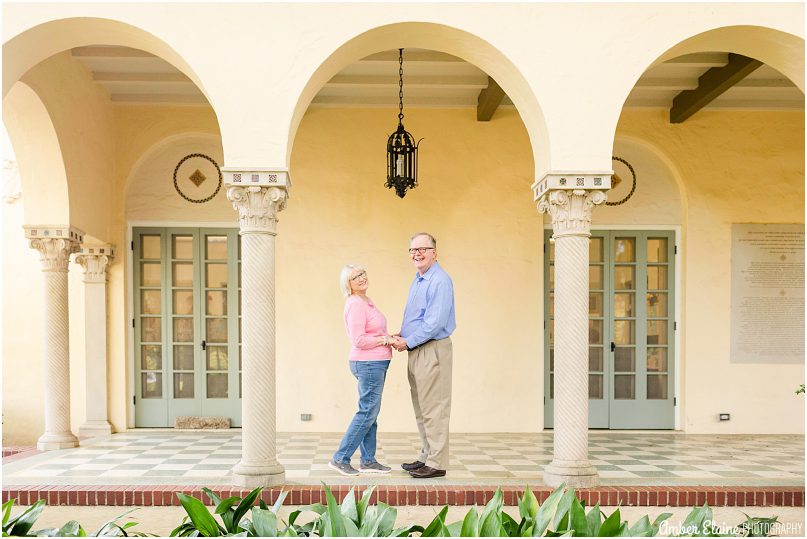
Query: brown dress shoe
x=409 y=466
x=427 y=472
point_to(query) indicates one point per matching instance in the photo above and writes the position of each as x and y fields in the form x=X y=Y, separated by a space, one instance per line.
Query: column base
x=93 y=429
x=574 y=473
x=52 y=442
x=258 y=475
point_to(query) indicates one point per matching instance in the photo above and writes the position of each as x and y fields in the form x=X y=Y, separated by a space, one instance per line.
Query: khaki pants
x=430 y=384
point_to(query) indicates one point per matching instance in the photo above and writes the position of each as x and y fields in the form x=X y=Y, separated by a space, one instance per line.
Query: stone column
x=258 y=195
x=55 y=245
x=94 y=258
x=569 y=200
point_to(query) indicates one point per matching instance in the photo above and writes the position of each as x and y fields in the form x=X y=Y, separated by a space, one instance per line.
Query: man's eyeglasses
x=359 y=276
x=419 y=250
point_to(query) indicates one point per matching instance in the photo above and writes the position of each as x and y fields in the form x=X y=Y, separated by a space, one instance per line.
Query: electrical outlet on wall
x=724 y=417
x=305 y=417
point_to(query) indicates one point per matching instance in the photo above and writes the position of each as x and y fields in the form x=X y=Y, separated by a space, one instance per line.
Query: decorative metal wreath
x=186 y=197
x=633 y=187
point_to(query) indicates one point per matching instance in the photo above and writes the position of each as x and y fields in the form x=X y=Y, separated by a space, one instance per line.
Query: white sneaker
x=373 y=467
x=344 y=469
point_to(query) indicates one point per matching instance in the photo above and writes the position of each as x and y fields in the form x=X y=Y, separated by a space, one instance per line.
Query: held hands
x=398 y=343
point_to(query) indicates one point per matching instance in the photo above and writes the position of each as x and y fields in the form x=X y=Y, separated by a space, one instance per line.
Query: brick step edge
x=652 y=496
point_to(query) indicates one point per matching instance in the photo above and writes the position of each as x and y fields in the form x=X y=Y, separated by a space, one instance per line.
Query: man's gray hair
x=431 y=238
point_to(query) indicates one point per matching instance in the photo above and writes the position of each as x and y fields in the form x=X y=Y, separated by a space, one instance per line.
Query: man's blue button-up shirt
x=429 y=312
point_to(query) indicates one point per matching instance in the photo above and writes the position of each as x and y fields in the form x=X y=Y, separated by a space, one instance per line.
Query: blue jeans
x=362 y=430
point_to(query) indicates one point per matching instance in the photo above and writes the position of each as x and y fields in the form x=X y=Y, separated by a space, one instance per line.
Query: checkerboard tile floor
x=143 y=457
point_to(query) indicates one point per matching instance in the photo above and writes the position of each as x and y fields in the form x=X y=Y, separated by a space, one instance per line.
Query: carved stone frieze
x=570 y=210
x=258 y=206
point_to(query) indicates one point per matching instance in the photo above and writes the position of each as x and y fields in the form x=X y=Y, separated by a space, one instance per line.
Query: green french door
x=187 y=324
x=631 y=330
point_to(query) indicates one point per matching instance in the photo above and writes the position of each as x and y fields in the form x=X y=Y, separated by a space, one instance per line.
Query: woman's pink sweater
x=365 y=324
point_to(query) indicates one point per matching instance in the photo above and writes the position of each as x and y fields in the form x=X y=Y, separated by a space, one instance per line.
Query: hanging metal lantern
x=402 y=150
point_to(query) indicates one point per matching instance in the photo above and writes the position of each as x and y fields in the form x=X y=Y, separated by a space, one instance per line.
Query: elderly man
x=428 y=321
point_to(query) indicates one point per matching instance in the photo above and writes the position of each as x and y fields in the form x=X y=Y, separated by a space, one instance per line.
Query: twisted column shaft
x=54 y=255
x=258 y=207
x=571 y=223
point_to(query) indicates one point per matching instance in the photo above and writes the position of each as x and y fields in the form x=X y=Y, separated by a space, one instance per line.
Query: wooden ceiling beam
x=710 y=85
x=489 y=100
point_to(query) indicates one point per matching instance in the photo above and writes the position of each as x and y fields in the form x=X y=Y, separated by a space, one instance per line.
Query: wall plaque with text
x=767 y=293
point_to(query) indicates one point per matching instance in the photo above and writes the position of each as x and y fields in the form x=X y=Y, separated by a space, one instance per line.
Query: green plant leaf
x=528 y=504
x=562 y=511
x=642 y=528
x=594 y=520
x=348 y=507
x=435 y=527
x=407 y=531
x=577 y=519
x=25 y=521
x=7 y=512
x=610 y=527
x=546 y=511
x=361 y=507
x=110 y=526
x=278 y=503
x=334 y=522
x=509 y=525
x=212 y=495
x=453 y=529
x=264 y=522
x=470 y=524
x=200 y=516
x=245 y=505
x=657 y=523
x=490 y=521
x=386 y=519
x=695 y=519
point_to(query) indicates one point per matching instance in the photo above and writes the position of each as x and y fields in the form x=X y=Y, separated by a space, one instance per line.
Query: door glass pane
x=595 y=358
x=551 y=332
x=551 y=249
x=551 y=277
x=623 y=304
x=216 y=330
x=656 y=277
x=624 y=332
x=657 y=304
x=150 y=301
x=657 y=249
x=551 y=360
x=150 y=247
x=216 y=247
x=183 y=357
x=150 y=329
x=217 y=386
x=551 y=311
x=595 y=303
x=150 y=274
x=595 y=390
x=595 y=250
x=151 y=385
x=595 y=331
x=656 y=386
x=624 y=359
x=216 y=275
x=183 y=385
x=595 y=278
x=183 y=329
x=656 y=332
x=625 y=249
x=624 y=277
x=624 y=386
x=217 y=358
x=183 y=274
x=656 y=359
x=182 y=247
x=551 y=386
x=216 y=303
x=183 y=302
x=151 y=357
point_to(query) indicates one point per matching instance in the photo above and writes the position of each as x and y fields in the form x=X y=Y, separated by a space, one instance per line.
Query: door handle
x=613 y=346
x=204 y=345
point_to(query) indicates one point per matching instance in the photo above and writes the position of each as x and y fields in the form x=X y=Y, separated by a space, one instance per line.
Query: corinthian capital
x=95 y=258
x=55 y=244
x=570 y=210
x=258 y=206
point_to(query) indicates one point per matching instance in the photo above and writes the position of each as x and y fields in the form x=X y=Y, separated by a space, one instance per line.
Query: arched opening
x=725 y=110
x=340 y=213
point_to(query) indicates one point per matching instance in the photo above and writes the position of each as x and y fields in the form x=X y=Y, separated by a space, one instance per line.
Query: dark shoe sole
x=436 y=473
x=409 y=466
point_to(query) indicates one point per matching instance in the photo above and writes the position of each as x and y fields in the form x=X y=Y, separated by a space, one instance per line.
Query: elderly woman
x=370 y=354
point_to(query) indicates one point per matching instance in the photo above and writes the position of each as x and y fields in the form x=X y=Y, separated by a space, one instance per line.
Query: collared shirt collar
x=429 y=272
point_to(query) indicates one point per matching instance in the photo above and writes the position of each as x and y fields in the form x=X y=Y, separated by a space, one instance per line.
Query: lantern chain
x=400 y=86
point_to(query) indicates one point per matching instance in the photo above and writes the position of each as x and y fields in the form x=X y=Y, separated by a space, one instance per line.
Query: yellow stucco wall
x=475 y=197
